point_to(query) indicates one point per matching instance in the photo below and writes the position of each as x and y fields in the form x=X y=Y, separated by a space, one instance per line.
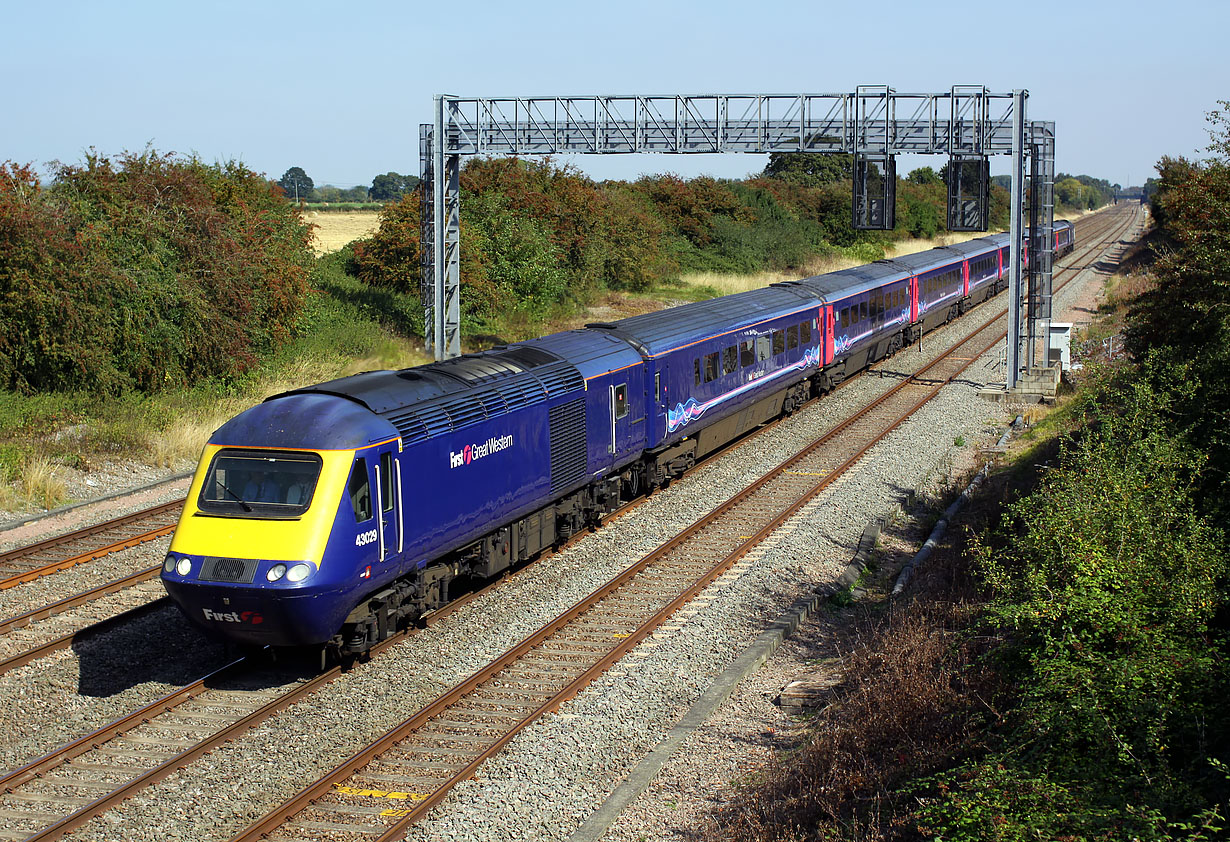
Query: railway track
x=384 y=788
x=556 y=667
x=26 y=564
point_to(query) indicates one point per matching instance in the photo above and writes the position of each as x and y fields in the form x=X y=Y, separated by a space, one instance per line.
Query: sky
x=340 y=88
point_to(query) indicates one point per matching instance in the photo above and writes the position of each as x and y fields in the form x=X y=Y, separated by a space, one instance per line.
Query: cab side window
x=360 y=491
x=621 y=400
x=386 y=481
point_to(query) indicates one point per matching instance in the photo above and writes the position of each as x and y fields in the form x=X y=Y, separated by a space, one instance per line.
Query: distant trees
x=296 y=184
x=392 y=186
x=329 y=193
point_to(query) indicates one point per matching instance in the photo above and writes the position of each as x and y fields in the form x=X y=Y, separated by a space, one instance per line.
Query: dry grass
x=183 y=441
x=914 y=699
x=39 y=483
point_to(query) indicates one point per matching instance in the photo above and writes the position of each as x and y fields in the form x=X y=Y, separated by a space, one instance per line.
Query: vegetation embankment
x=1061 y=672
x=146 y=298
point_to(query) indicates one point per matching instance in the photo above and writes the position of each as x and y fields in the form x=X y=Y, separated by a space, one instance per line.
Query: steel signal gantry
x=874 y=123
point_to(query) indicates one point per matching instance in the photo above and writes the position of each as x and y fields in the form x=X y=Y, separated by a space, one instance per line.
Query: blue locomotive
x=334 y=514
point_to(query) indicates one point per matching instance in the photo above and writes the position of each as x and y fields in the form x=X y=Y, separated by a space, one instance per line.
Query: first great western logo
x=471 y=453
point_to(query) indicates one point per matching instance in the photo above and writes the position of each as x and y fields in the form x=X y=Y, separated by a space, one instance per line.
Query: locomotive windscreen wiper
x=246 y=507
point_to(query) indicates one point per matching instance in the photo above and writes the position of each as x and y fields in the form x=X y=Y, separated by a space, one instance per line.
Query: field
x=334 y=230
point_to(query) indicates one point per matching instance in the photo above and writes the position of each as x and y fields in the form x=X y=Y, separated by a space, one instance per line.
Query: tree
x=296 y=184
x=924 y=176
x=811 y=169
x=392 y=186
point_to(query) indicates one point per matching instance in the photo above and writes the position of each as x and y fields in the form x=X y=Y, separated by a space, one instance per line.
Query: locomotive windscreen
x=252 y=483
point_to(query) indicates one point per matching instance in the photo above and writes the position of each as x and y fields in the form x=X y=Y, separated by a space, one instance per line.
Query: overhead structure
x=874 y=124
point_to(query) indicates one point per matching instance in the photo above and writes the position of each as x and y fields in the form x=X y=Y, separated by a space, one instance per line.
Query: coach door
x=388 y=501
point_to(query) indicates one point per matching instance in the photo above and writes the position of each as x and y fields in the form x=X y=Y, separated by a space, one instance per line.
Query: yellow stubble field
x=335 y=229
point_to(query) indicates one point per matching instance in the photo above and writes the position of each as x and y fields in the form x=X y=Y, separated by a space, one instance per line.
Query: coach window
x=779 y=341
x=762 y=348
x=621 y=400
x=747 y=354
x=792 y=337
x=805 y=333
x=845 y=316
x=730 y=359
x=696 y=370
x=360 y=491
x=862 y=311
x=711 y=367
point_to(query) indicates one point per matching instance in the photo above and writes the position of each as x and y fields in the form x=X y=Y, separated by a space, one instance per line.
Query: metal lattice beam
x=874 y=120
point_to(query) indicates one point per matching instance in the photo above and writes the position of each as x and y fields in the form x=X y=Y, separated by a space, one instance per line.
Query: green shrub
x=144 y=273
x=1106 y=581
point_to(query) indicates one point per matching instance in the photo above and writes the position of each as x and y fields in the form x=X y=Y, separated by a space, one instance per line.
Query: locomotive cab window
x=621 y=400
x=386 y=482
x=259 y=483
x=359 y=491
x=657 y=386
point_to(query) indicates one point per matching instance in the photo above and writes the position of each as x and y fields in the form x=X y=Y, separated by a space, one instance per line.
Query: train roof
x=666 y=330
x=978 y=245
x=593 y=352
x=856 y=280
x=442 y=397
x=304 y=422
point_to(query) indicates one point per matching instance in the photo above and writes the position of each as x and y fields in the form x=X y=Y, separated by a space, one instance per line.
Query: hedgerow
x=142 y=273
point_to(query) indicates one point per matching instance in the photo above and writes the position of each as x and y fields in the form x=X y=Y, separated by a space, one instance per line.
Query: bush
x=144 y=273
x=1106 y=583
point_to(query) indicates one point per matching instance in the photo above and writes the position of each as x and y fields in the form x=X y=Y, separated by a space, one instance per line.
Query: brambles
x=149 y=272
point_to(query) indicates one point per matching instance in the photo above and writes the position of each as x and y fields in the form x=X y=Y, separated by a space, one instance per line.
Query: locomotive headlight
x=276 y=572
x=184 y=566
x=168 y=565
x=298 y=573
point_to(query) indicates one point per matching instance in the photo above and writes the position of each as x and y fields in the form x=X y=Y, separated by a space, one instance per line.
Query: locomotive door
x=387 y=485
x=620 y=434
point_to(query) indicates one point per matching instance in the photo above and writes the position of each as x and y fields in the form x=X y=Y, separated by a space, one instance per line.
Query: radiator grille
x=568 y=457
x=217 y=569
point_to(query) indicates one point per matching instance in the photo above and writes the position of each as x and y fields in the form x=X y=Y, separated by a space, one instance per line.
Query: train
x=333 y=515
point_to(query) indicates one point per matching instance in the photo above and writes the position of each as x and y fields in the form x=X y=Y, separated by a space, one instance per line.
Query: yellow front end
x=274 y=539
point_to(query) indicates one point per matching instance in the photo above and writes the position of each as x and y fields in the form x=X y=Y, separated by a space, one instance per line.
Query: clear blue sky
x=340 y=88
